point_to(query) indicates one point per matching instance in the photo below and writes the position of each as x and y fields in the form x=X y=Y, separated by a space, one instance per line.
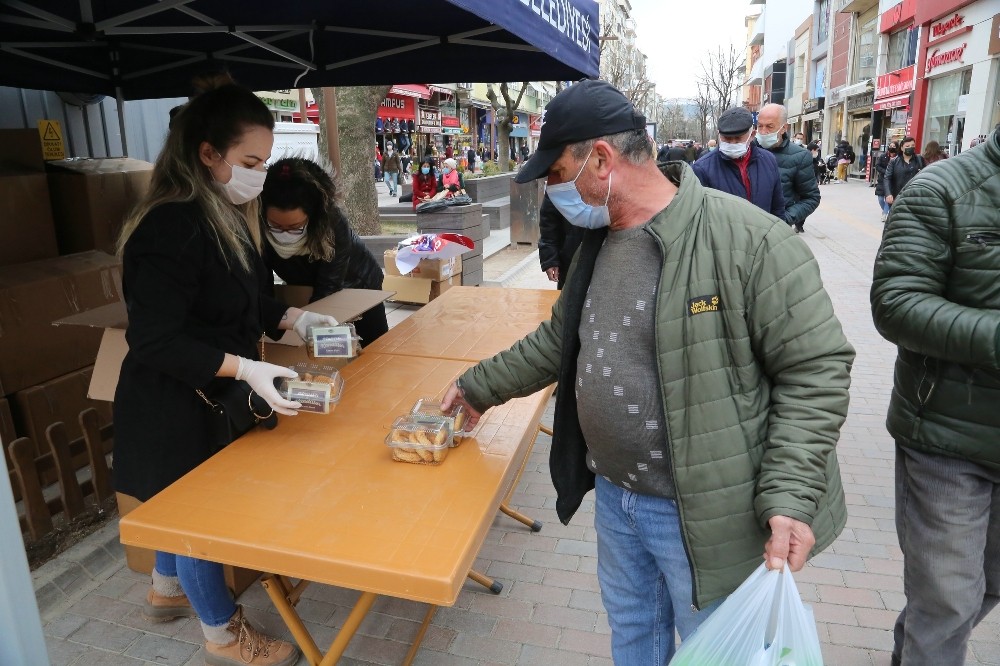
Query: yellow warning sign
x=52 y=141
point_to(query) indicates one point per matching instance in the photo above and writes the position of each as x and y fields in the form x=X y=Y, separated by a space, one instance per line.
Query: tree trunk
x=324 y=148
x=503 y=146
x=357 y=107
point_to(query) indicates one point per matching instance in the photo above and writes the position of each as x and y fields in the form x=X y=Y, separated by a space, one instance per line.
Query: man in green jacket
x=798 y=177
x=702 y=377
x=935 y=295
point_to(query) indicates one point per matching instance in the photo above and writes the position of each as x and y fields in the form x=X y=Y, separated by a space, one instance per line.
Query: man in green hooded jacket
x=702 y=377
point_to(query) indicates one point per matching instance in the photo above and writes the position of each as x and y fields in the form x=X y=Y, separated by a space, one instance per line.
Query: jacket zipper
x=670 y=441
x=984 y=239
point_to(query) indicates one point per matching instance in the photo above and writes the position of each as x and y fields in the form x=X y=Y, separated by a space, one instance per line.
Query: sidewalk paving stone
x=549 y=612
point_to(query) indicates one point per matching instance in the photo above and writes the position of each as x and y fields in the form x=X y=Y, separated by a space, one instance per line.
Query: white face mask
x=768 y=140
x=244 y=185
x=733 y=151
x=287 y=237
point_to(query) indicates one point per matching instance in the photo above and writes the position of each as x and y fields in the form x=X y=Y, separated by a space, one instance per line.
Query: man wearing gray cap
x=702 y=377
x=740 y=168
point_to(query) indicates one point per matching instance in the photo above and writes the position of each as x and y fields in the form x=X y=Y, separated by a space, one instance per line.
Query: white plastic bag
x=762 y=623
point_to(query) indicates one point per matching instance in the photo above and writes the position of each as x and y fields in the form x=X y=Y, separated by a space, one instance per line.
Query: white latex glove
x=260 y=376
x=307 y=319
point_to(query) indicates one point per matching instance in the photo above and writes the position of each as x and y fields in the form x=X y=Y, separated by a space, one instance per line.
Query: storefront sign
x=901 y=13
x=397 y=106
x=450 y=121
x=813 y=104
x=939 y=57
x=429 y=119
x=994 y=48
x=894 y=83
x=862 y=101
x=942 y=28
x=835 y=96
x=280 y=103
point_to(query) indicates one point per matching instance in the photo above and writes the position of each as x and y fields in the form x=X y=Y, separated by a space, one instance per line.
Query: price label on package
x=333 y=342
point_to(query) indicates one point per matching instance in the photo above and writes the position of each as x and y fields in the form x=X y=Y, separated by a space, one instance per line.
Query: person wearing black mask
x=900 y=171
x=880 y=185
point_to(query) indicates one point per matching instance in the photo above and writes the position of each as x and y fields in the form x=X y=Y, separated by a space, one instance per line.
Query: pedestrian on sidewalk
x=901 y=170
x=845 y=157
x=557 y=242
x=391 y=166
x=934 y=295
x=197 y=296
x=740 y=169
x=881 y=164
x=798 y=177
x=702 y=377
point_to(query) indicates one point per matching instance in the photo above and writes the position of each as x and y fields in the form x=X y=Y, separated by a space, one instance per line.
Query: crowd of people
x=702 y=374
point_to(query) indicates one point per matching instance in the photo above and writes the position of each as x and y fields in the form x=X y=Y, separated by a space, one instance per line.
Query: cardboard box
x=21 y=151
x=110 y=322
x=27 y=232
x=91 y=199
x=32 y=297
x=431 y=269
x=418 y=290
x=60 y=399
x=141 y=560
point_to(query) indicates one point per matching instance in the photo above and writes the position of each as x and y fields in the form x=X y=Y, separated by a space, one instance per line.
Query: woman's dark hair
x=295 y=182
x=420 y=173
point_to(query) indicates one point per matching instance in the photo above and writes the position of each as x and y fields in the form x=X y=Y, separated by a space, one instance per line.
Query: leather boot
x=159 y=608
x=249 y=646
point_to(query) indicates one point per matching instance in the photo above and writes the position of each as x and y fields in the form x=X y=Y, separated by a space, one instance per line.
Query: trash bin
x=525 y=200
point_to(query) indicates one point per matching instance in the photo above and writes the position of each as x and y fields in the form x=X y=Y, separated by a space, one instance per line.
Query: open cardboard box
x=113 y=318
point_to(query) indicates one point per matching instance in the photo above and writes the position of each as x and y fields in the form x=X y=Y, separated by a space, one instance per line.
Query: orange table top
x=320 y=498
x=468 y=323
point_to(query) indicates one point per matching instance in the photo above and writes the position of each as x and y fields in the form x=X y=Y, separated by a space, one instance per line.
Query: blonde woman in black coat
x=195 y=289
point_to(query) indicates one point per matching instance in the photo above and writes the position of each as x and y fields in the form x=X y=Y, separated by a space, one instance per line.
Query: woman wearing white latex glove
x=307 y=319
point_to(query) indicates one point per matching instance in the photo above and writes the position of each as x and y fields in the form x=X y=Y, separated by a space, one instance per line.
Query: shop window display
x=945 y=124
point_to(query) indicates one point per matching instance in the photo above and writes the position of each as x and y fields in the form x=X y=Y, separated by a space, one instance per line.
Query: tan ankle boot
x=159 y=608
x=249 y=646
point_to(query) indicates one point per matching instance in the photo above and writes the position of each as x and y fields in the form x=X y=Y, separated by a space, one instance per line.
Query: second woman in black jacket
x=309 y=242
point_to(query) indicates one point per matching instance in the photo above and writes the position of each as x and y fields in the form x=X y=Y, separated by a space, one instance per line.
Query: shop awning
x=441 y=90
x=892 y=102
x=411 y=90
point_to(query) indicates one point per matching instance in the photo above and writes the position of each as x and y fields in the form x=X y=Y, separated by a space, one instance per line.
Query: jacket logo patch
x=701 y=304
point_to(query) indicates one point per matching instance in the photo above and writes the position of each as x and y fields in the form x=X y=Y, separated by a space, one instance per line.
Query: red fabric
x=743 y=164
x=423 y=186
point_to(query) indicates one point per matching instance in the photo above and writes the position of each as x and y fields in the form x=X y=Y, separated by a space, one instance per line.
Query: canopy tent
x=140 y=49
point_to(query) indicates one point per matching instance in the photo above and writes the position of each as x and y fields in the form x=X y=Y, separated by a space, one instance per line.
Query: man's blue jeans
x=644 y=574
x=391 y=180
x=204 y=584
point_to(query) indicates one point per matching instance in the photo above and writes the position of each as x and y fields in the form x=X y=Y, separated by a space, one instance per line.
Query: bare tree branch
x=503 y=115
x=721 y=77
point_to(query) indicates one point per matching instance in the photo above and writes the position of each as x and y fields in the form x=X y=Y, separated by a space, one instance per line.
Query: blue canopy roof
x=148 y=48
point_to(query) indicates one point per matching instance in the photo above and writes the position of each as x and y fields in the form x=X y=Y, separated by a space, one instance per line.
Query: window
x=800 y=73
x=902 y=49
x=822 y=21
x=819 y=79
x=864 y=63
x=944 y=124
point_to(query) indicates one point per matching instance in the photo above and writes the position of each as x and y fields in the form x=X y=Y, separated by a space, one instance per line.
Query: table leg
x=278 y=592
x=420 y=636
x=361 y=608
x=493 y=586
x=535 y=525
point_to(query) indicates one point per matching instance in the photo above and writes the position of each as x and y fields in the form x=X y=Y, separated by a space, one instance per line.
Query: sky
x=677 y=34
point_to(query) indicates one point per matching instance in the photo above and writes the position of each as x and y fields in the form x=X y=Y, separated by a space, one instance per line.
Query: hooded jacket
x=936 y=295
x=755 y=371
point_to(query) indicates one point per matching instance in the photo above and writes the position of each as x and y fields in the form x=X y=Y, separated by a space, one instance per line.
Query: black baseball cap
x=585 y=110
x=735 y=121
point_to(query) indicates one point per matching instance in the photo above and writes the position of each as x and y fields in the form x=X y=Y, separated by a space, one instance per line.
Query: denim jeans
x=390 y=180
x=883 y=204
x=644 y=574
x=204 y=584
x=948 y=522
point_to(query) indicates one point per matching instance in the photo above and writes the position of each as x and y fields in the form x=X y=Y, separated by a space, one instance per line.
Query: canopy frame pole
x=156 y=8
x=121 y=119
x=53 y=62
x=48 y=17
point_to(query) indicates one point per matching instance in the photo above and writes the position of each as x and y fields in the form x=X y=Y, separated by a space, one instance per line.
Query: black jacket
x=676 y=154
x=899 y=172
x=880 y=166
x=353 y=266
x=186 y=310
x=558 y=240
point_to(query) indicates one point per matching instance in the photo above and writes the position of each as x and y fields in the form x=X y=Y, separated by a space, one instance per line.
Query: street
x=550 y=611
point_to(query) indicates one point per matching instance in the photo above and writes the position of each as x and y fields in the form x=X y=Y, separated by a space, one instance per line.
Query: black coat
x=557 y=241
x=353 y=266
x=899 y=172
x=880 y=166
x=676 y=154
x=186 y=309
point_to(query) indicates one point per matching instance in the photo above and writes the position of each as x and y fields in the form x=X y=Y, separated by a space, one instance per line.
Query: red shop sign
x=894 y=83
x=939 y=57
x=942 y=28
x=397 y=106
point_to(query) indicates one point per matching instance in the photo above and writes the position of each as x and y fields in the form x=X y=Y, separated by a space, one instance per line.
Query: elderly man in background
x=702 y=377
x=798 y=177
x=740 y=169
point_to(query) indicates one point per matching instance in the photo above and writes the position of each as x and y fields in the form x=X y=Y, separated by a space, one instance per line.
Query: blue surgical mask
x=446 y=169
x=425 y=170
x=568 y=201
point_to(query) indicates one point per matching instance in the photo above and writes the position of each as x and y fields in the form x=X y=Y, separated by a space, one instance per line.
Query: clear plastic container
x=317 y=387
x=416 y=438
x=340 y=341
x=457 y=415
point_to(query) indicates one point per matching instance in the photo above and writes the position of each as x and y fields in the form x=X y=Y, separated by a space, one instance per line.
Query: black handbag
x=236 y=409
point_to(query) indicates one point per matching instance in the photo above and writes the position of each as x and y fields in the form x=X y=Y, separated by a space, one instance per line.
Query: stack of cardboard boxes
x=72 y=208
x=468 y=221
x=430 y=279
